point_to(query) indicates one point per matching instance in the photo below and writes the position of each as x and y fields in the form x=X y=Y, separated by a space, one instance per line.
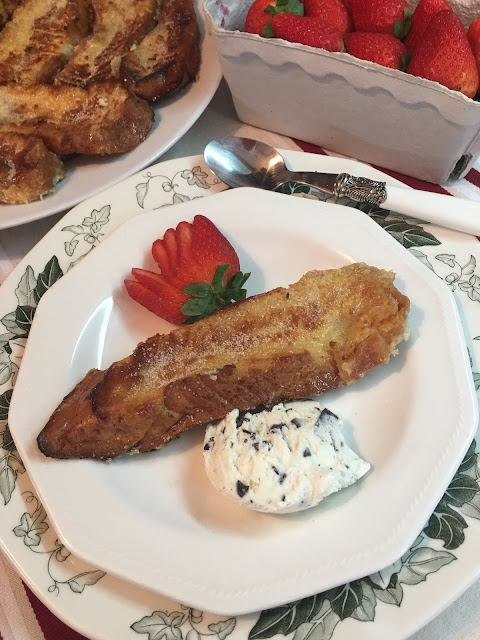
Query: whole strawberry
x=473 y=35
x=260 y=14
x=333 y=10
x=200 y=273
x=381 y=16
x=381 y=48
x=421 y=17
x=314 y=32
x=444 y=55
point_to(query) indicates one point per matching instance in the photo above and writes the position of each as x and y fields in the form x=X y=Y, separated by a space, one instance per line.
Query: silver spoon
x=242 y=162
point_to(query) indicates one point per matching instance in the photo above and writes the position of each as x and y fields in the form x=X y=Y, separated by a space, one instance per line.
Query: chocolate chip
x=275 y=470
x=209 y=443
x=327 y=413
x=297 y=422
x=276 y=427
x=307 y=453
x=282 y=478
x=255 y=446
x=241 y=489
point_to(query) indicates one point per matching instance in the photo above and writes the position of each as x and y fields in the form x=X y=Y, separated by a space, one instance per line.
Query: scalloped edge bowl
x=351 y=106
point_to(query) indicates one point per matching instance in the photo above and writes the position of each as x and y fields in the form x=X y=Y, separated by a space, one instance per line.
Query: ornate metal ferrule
x=360 y=189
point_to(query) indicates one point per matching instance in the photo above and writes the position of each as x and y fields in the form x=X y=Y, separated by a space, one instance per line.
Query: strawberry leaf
x=206 y=299
x=238 y=280
x=285 y=6
x=217 y=282
x=198 y=290
x=405 y=61
x=195 y=306
x=407 y=21
x=267 y=31
x=399 y=30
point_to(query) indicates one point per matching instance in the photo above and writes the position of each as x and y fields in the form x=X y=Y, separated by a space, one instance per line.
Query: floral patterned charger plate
x=412 y=420
x=397 y=600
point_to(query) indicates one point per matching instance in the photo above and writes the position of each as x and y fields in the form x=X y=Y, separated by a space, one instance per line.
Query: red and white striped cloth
x=22 y=615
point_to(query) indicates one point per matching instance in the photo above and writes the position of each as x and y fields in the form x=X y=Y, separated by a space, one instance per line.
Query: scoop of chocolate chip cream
x=281 y=460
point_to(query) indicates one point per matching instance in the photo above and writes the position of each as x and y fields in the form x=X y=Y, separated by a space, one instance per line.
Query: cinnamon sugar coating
x=325 y=331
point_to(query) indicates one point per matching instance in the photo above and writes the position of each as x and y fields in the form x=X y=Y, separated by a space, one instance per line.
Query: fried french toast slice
x=40 y=38
x=168 y=57
x=325 y=331
x=28 y=170
x=103 y=118
x=117 y=26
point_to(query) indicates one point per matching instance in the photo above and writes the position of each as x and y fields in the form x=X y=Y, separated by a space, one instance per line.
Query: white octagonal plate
x=153 y=518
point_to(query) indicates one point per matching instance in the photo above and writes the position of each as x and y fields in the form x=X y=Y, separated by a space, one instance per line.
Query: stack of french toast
x=80 y=77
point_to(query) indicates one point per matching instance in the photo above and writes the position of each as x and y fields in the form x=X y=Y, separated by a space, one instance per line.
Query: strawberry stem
x=208 y=298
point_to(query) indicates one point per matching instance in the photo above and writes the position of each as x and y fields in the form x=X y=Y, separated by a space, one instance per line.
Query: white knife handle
x=446 y=211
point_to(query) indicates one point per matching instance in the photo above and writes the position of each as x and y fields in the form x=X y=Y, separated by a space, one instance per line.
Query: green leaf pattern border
x=312 y=618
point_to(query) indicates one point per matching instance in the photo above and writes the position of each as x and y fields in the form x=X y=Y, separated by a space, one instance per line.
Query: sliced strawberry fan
x=200 y=274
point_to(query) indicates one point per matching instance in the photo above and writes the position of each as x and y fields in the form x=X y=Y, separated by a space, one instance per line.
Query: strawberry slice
x=211 y=248
x=165 y=258
x=170 y=240
x=160 y=255
x=188 y=268
x=165 y=251
x=200 y=273
x=156 y=294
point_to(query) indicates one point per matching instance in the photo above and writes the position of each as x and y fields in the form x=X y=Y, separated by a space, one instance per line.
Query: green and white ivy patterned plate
x=413 y=420
x=396 y=601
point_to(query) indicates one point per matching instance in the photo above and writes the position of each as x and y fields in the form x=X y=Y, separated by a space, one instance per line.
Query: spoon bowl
x=242 y=162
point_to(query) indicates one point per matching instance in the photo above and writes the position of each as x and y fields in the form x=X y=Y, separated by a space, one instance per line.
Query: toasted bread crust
x=28 y=170
x=325 y=331
x=40 y=38
x=168 y=57
x=104 y=118
x=117 y=26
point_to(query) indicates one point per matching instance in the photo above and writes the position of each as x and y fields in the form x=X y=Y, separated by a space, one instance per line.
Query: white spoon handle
x=446 y=211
